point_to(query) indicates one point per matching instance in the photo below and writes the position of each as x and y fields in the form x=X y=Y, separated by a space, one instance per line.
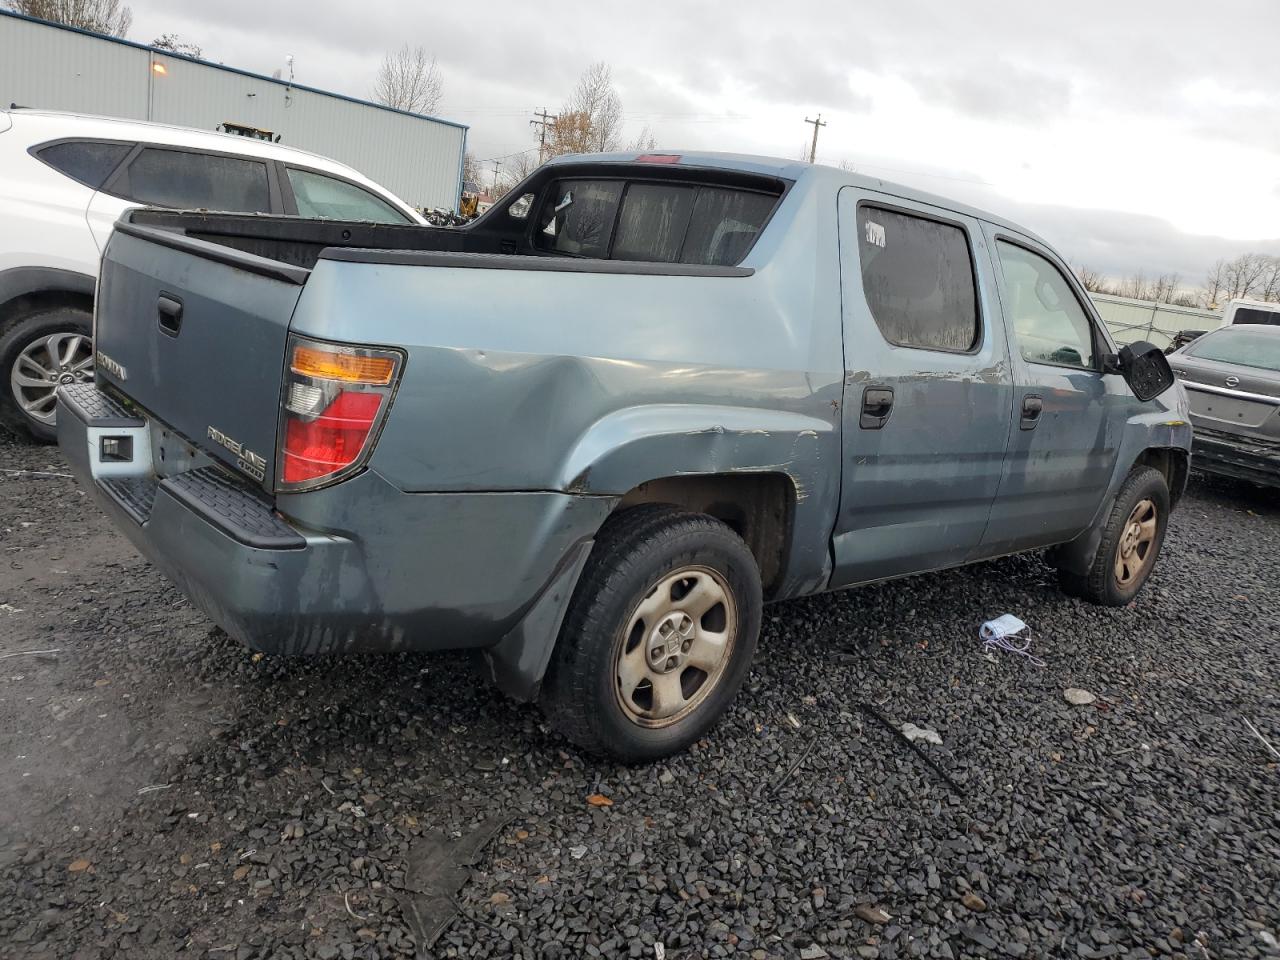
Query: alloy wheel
x=675 y=647
x=46 y=364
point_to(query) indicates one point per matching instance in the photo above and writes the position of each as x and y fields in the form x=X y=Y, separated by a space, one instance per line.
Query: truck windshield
x=655 y=222
x=1241 y=347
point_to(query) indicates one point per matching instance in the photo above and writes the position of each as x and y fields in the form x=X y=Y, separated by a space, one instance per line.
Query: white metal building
x=1130 y=320
x=56 y=67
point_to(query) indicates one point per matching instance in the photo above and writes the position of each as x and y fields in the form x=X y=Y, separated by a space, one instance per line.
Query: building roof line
x=169 y=54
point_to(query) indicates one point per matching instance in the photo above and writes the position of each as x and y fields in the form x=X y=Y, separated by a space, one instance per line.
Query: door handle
x=877 y=404
x=1032 y=407
x=170 y=311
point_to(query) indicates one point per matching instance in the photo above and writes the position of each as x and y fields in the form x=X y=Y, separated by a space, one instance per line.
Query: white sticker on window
x=875 y=233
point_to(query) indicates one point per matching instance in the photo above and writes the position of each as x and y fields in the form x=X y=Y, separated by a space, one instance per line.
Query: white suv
x=65 y=178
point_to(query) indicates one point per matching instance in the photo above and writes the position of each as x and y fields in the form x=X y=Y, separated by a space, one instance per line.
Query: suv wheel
x=1131 y=541
x=38 y=354
x=658 y=637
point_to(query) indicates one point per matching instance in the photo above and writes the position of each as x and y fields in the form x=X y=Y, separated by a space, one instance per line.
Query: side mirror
x=1146 y=370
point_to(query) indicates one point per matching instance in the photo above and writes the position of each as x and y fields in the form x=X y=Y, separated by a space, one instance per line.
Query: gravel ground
x=165 y=793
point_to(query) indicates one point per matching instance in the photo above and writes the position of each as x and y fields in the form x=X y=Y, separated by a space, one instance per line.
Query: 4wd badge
x=246 y=460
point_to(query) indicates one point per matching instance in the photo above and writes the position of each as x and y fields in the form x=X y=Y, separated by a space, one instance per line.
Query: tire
x=28 y=341
x=1143 y=493
x=640 y=616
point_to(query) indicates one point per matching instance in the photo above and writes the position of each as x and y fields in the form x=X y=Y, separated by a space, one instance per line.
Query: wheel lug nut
x=671 y=662
x=684 y=647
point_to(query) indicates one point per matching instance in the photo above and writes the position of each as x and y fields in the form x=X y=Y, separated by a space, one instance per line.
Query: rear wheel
x=1131 y=539
x=658 y=637
x=38 y=354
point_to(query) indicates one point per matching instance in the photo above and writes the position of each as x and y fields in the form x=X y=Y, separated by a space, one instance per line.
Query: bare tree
x=1134 y=287
x=1242 y=276
x=175 y=44
x=1164 y=288
x=522 y=164
x=591 y=119
x=1091 y=280
x=409 y=79
x=1214 y=282
x=1271 y=280
x=100 y=16
x=470 y=171
x=644 y=142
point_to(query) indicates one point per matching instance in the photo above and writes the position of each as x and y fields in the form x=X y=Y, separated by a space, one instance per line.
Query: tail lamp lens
x=334 y=402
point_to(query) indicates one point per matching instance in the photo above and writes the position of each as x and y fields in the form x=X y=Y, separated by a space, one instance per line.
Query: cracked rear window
x=653 y=222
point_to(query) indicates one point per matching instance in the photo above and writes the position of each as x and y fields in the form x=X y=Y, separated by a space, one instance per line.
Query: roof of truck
x=797 y=170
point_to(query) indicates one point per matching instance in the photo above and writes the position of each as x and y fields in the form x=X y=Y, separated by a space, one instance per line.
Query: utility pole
x=813 y=149
x=541 y=124
x=496 y=165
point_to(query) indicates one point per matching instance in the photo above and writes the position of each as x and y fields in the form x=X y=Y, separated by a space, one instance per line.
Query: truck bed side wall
x=594 y=383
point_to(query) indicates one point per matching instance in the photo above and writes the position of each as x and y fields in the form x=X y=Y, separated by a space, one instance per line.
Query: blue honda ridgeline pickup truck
x=591 y=433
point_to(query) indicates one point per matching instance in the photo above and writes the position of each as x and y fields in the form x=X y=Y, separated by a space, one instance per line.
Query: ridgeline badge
x=251 y=463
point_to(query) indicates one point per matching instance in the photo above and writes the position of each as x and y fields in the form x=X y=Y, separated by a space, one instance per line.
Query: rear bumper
x=1236 y=456
x=359 y=566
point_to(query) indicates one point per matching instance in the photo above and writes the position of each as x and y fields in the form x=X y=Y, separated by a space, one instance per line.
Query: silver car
x=1232 y=376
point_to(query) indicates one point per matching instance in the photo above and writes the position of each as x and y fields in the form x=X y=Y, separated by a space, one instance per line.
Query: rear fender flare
x=22 y=282
x=639 y=444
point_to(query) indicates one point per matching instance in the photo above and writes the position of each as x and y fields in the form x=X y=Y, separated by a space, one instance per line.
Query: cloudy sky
x=1132 y=134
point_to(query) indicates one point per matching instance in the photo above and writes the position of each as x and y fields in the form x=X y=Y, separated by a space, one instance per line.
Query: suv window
x=917 y=275
x=180 y=178
x=1254 y=315
x=1049 y=323
x=89 y=161
x=653 y=222
x=319 y=196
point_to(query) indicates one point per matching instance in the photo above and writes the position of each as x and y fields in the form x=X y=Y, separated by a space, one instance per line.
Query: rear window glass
x=1241 y=347
x=178 y=178
x=917 y=275
x=653 y=222
x=1254 y=315
x=579 y=221
x=655 y=218
x=725 y=224
x=89 y=161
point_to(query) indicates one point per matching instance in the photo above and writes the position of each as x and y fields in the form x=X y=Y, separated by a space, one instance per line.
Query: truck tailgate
x=195 y=333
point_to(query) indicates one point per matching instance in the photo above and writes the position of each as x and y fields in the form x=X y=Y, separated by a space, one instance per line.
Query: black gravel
x=288 y=798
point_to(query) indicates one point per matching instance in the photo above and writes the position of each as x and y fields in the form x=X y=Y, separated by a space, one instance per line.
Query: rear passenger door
x=928 y=388
x=1070 y=417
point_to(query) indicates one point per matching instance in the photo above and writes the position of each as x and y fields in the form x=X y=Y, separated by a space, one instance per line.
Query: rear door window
x=88 y=161
x=652 y=222
x=188 y=180
x=319 y=196
x=917 y=275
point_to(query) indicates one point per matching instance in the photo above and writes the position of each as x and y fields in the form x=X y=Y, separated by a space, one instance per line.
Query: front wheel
x=658 y=637
x=38 y=354
x=1131 y=539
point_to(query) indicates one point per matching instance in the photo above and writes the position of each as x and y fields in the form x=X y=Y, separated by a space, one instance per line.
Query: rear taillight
x=335 y=399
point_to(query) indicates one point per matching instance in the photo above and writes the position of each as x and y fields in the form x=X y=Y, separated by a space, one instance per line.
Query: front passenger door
x=1068 y=416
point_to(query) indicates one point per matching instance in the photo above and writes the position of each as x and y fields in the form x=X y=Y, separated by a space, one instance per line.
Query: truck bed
x=299 y=242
